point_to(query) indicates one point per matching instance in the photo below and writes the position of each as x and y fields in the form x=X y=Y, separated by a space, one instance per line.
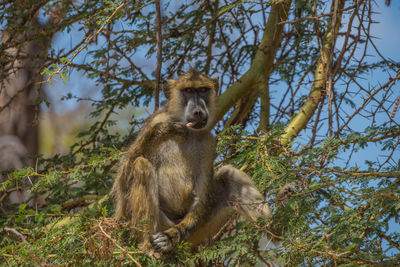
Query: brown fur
x=166 y=184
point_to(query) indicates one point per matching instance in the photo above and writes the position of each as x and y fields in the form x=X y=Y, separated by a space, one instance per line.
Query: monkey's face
x=192 y=98
x=196 y=101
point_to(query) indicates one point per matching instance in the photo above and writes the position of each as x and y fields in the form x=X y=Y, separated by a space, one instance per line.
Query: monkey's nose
x=197 y=118
x=198 y=114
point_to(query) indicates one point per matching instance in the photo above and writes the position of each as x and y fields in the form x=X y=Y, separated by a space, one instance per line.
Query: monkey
x=167 y=185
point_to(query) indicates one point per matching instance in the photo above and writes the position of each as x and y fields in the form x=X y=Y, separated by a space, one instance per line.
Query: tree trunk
x=24 y=48
x=25 y=54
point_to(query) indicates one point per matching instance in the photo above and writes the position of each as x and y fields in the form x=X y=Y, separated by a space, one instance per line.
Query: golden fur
x=166 y=184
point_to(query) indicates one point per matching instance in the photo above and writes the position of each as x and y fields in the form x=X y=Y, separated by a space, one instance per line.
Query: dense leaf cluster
x=335 y=214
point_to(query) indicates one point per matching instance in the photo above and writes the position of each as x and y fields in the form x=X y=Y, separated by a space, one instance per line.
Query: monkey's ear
x=216 y=82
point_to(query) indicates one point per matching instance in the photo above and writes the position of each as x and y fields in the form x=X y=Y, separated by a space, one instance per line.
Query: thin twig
x=329 y=87
x=15 y=232
x=117 y=245
x=224 y=228
x=4 y=257
x=159 y=55
x=396 y=106
x=318 y=17
x=89 y=40
x=365 y=173
x=96 y=133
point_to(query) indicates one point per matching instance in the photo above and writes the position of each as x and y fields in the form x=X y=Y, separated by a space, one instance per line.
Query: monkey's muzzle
x=197 y=124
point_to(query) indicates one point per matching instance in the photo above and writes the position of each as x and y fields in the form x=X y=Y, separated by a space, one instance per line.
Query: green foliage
x=344 y=209
x=334 y=212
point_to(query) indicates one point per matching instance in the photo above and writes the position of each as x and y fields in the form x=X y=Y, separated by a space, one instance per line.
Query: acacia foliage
x=345 y=211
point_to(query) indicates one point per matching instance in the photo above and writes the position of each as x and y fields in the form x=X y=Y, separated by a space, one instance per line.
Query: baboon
x=167 y=184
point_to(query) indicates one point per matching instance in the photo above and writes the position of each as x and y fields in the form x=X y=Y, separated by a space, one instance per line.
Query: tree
x=297 y=104
x=25 y=44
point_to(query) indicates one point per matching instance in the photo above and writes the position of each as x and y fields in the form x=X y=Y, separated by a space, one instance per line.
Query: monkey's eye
x=203 y=89
x=188 y=90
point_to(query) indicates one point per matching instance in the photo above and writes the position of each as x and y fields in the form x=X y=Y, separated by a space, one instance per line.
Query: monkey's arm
x=150 y=139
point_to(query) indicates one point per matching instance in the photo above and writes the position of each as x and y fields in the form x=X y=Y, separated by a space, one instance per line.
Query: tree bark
x=258 y=74
x=27 y=44
x=300 y=121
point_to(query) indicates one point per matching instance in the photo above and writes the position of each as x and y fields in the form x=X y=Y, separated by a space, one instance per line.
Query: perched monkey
x=167 y=183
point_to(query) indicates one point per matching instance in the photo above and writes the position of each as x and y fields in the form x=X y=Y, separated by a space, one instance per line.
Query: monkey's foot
x=285 y=193
x=147 y=248
x=153 y=254
x=161 y=242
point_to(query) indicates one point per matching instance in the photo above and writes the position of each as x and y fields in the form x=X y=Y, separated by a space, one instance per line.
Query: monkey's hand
x=285 y=193
x=165 y=241
x=171 y=130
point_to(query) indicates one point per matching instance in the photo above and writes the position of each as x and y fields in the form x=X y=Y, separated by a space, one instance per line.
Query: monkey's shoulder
x=160 y=116
x=150 y=124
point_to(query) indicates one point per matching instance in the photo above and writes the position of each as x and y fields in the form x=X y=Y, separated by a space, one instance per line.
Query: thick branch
x=73 y=218
x=241 y=111
x=300 y=121
x=265 y=106
x=262 y=65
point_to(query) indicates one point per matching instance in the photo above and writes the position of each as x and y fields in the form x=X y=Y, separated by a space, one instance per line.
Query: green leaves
x=227 y=8
x=335 y=210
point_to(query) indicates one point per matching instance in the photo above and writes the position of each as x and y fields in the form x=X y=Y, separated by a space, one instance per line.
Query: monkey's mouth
x=197 y=124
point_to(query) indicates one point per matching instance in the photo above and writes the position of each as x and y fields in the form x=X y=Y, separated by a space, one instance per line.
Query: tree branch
x=15 y=232
x=159 y=56
x=300 y=121
x=262 y=65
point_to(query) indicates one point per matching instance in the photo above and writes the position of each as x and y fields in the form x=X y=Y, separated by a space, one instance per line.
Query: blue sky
x=387 y=39
x=387 y=33
x=388 y=30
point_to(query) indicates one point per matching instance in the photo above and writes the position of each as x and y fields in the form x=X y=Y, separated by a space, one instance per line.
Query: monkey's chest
x=175 y=179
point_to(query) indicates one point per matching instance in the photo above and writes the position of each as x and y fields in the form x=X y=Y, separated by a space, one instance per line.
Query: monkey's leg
x=242 y=194
x=234 y=192
x=142 y=207
x=166 y=240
